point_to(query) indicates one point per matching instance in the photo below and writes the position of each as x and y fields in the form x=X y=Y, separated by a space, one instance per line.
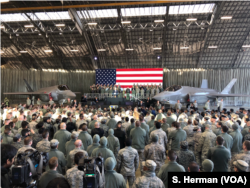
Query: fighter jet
x=58 y=93
x=188 y=94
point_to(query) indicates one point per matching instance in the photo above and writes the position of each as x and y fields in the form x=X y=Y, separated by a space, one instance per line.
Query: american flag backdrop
x=128 y=77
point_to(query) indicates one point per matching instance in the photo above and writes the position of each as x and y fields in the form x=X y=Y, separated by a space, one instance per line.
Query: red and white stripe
x=129 y=77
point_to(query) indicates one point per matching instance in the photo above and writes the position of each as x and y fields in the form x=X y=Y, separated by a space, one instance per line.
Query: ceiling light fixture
x=174 y=29
x=151 y=30
x=101 y=50
x=4 y=1
x=2 y=27
x=48 y=51
x=95 y=58
x=156 y=48
x=60 y=25
x=226 y=17
x=158 y=57
x=129 y=49
x=74 y=50
x=39 y=34
x=29 y=26
x=184 y=47
x=246 y=46
x=92 y=23
x=23 y=51
x=212 y=46
x=60 y=33
x=191 y=19
x=1 y=52
x=159 y=21
x=126 y=22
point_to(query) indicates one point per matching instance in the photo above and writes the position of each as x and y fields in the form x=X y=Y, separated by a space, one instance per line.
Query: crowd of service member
x=127 y=138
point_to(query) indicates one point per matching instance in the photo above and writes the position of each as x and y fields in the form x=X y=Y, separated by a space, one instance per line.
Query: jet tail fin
x=28 y=86
x=229 y=86
x=204 y=84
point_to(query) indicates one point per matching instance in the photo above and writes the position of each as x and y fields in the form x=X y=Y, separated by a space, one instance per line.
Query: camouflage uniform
x=156 y=153
x=36 y=138
x=149 y=179
x=24 y=148
x=127 y=164
x=184 y=157
x=43 y=146
x=163 y=140
x=169 y=130
x=197 y=154
x=71 y=156
x=206 y=141
x=190 y=136
x=75 y=177
x=17 y=145
x=245 y=156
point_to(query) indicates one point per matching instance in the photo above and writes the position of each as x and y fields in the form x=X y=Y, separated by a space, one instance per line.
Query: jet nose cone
x=157 y=97
x=71 y=95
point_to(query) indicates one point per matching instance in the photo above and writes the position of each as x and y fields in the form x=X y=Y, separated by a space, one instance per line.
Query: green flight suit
x=138 y=137
x=61 y=160
x=92 y=124
x=86 y=139
x=96 y=140
x=111 y=123
x=133 y=94
x=62 y=136
x=129 y=128
x=113 y=143
x=7 y=139
x=177 y=137
x=228 y=140
x=237 y=141
x=70 y=145
x=47 y=177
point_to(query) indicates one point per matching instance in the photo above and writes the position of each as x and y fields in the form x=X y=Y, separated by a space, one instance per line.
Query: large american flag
x=128 y=77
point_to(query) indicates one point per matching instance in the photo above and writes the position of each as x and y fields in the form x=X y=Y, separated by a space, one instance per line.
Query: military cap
x=75 y=134
x=223 y=116
x=213 y=117
x=242 y=165
x=208 y=126
x=206 y=118
x=196 y=128
x=151 y=165
x=54 y=142
x=181 y=119
x=184 y=144
x=235 y=126
x=17 y=136
x=207 y=165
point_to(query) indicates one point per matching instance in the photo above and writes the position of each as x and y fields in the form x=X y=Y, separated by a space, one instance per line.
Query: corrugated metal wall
x=12 y=80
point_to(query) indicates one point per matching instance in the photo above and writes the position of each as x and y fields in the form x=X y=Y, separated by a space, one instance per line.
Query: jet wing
x=76 y=92
x=25 y=93
x=216 y=94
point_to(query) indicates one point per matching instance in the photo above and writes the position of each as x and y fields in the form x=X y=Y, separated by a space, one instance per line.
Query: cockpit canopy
x=63 y=87
x=173 y=88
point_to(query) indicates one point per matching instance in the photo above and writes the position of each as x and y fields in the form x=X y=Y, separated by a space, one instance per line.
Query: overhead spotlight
x=126 y=22
x=129 y=49
x=74 y=50
x=158 y=57
x=202 y=28
x=151 y=30
x=60 y=33
x=226 y=17
x=184 y=47
x=246 y=46
x=156 y=48
x=4 y=1
x=10 y=36
x=174 y=29
x=191 y=19
x=101 y=50
x=17 y=35
x=29 y=26
x=47 y=35
x=48 y=51
x=39 y=34
x=212 y=46
x=23 y=51
x=95 y=58
x=92 y=23
x=159 y=21
x=1 y=52
x=60 y=25
x=2 y=27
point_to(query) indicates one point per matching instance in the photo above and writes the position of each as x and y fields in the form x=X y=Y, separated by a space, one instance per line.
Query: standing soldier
x=142 y=93
x=207 y=105
x=38 y=102
x=178 y=105
x=133 y=93
x=157 y=91
x=128 y=93
x=102 y=92
x=128 y=162
x=6 y=101
x=137 y=92
x=197 y=135
x=206 y=141
x=110 y=91
x=220 y=105
x=152 y=92
x=28 y=101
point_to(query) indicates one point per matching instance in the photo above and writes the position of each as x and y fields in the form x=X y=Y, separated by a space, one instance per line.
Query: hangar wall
x=12 y=80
